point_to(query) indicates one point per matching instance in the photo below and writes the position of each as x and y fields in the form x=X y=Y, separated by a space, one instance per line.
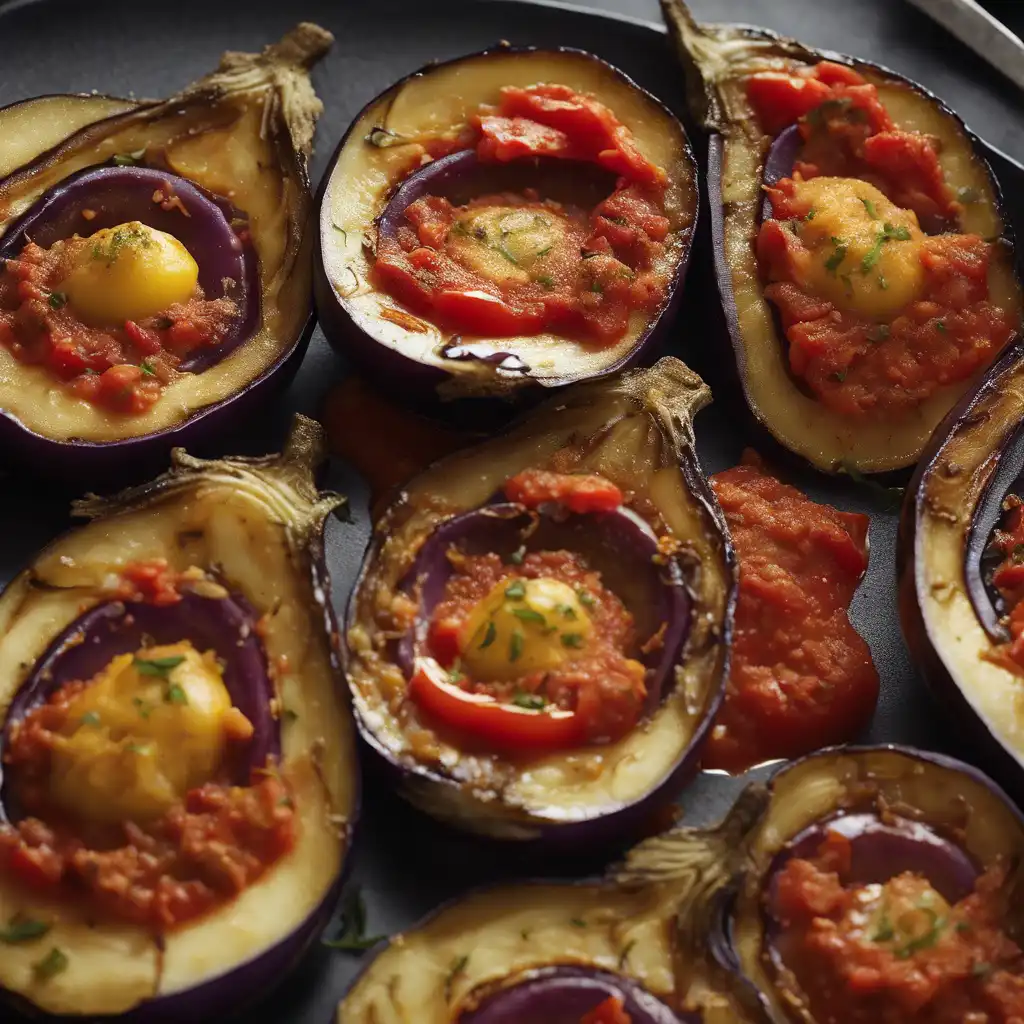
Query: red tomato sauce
x=859 y=367
x=122 y=369
x=1008 y=579
x=896 y=952
x=801 y=675
x=611 y=1011
x=599 y=684
x=599 y=267
x=848 y=133
x=199 y=855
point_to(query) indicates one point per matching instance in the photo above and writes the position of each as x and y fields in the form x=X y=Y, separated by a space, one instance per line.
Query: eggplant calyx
x=284 y=482
x=675 y=393
x=697 y=864
x=712 y=53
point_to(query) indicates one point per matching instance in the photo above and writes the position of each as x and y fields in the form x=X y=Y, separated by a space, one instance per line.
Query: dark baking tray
x=405 y=865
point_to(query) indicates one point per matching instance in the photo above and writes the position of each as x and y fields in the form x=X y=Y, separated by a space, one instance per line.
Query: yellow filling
x=865 y=252
x=129 y=272
x=150 y=727
x=522 y=627
x=506 y=243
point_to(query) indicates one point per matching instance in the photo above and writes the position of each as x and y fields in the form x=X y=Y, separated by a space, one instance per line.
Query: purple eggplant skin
x=452 y=369
x=661 y=402
x=903 y=809
x=948 y=618
x=116 y=195
x=83 y=448
x=778 y=405
x=291 y=505
x=608 y=541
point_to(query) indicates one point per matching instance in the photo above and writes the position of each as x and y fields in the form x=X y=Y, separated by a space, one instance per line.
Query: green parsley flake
x=870 y=207
x=839 y=376
x=517 y=556
x=23 y=929
x=530 y=701
x=489 y=635
x=158 y=666
x=146 y=368
x=58 y=300
x=941 y=327
x=546 y=279
x=832 y=264
x=51 y=965
x=811 y=214
x=595 y=286
x=586 y=598
x=574 y=640
x=90 y=718
x=516 y=590
x=515 y=645
x=175 y=695
x=529 y=615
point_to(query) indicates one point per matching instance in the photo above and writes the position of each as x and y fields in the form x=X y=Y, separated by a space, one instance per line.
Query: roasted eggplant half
x=959 y=558
x=509 y=220
x=877 y=883
x=179 y=779
x=539 y=636
x=865 y=267
x=548 y=953
x=155 y=261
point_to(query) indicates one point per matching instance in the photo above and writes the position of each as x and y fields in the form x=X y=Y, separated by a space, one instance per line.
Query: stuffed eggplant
x=155 y=276
x=547 y=953
x=511 y=219
x=959 y=560
x=864 y=265
x=178 y=779
x=877 y=884
x=538 y=639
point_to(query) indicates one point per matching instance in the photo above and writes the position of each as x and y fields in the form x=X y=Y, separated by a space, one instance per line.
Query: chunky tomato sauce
x=599 y=684
x=1008 y=579
x=861 y=358
x=860 y=367
x=123 y=368
x=512 y=263
x=895 y=952
x=801 y=676
x=202 y=853
x=848 y=133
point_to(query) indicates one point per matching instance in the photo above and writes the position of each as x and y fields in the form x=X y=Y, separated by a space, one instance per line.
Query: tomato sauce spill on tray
x=801 y=676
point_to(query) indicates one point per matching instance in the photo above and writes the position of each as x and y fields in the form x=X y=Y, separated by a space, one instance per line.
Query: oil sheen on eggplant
x=255 y=524
x=901 y=809
x=718 y=60
x=949 y=618
x=543 y=952
x=636 y=432
x=244 y=132
x=404 y=350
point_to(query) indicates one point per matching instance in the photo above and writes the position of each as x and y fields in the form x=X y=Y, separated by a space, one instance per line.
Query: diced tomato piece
x=577 y=492
x=38 y=867
x=444 y=640
x=488 y=314
x=511 y=138
x=780 y=99
x=152 y=581
x=183 y=336
x=831 y=73
x=431 y=216
x=505 y=726
x=66 y=360
x=910 y=163
x=611 y=1011
x=145 y=340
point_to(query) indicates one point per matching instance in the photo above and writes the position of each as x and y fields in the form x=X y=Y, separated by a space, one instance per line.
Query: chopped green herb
x=353 y=938
x=129 y=159
x=23 y=929
x=879 y=333
x=517 y=556
x=839 y=375
x=531 y=701
x=811 y=214
x=596 y=286
x=502 y=250
x=618 y=220
x=870 y=207
x=144 y=709
x=58 y=300
x=290 y=716
x=175 y=695
x=566 y=611
x=544 y=251
x=925 y=941
x=885 y=930
x=515 y=645
x=981 y=969
x=51 y=965
x=516 y=590
x=146 y=368
x=574 y=640
x=90 y=718
x=794 y=226
x=529 y=615
x=545 y=279
x=587 y=255
x=577 y=922
x=941 y=327
x=872 y=256
x=901 y=234
x=968 y=195
x=586 y=598
x=458 y=966
x=963 y=926
x=489 y=635
x=158 y=666
x=137 y=748
x=341 y=231
x=839 y=254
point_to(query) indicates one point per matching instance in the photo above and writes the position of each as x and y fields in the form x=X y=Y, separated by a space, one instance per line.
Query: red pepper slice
x=506 y=726
x=611 y=1011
